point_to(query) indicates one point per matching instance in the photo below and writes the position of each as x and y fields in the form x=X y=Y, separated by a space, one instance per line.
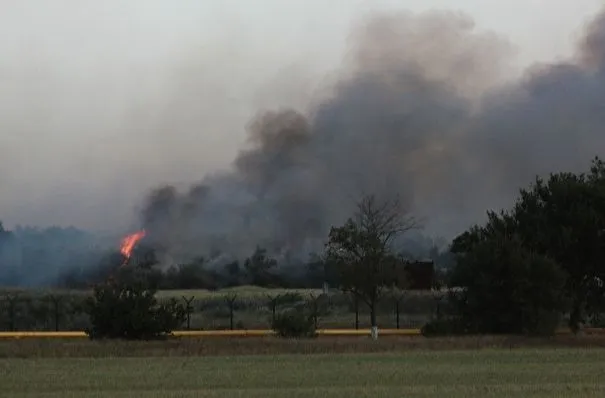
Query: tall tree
x=507 y=288
x=562 y=218
x=360 y=253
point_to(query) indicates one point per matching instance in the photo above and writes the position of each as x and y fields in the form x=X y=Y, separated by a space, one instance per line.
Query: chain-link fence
x=30 y=311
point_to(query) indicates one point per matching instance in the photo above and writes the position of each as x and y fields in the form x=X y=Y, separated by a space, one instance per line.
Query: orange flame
x=129 y=242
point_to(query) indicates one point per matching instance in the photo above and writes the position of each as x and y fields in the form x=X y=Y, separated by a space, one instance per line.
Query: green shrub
x=120 y=310
x=294 y=324
x=443 y=327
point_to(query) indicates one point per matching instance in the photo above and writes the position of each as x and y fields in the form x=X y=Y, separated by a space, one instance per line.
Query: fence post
x=12 y=303
x=273 y=306
x=189 y=309
x=438 y=296
x=56 y=300
x=397 y=299
x=231 y=303
x=315 y=309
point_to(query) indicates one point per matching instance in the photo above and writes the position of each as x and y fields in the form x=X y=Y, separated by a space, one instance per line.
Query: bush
x=294 y=324
x=131 y=311
x=508 y=289
x=444 y=327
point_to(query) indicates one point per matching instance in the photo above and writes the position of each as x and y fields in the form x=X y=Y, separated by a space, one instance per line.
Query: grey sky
x=100 y=101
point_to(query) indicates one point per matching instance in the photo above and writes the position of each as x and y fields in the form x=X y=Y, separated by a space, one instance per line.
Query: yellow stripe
x=252 y=333
x=18 y=335
x=221 y=333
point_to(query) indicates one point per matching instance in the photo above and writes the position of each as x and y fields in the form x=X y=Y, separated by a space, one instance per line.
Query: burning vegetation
x=129 y=242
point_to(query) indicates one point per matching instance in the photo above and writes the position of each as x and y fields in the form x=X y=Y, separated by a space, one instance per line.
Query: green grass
x=480 y=373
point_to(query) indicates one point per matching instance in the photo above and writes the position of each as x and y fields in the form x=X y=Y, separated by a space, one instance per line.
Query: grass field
x=240 y=291
x=527 y=372
x=244 y=292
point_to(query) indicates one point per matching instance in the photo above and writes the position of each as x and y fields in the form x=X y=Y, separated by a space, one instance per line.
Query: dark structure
x=419 y=275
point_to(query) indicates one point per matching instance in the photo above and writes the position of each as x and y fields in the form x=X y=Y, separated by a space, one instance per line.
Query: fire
x=129 y=242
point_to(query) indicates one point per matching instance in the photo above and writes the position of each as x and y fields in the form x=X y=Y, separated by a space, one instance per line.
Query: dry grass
x=471 y=373
x=211 y=310
x=242 y=292
x=221 y=346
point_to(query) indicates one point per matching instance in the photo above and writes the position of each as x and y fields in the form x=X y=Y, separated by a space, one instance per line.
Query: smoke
x=99 y=103
x=420 y=110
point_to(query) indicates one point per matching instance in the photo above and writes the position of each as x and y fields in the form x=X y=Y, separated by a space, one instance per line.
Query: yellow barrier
x=18 y=335
x=253 y=333
x=220 y=333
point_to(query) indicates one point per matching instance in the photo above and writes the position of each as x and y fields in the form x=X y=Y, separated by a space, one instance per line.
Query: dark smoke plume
x=419 y=111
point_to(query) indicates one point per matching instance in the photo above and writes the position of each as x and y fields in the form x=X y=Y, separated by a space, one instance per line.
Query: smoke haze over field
x=415 y=115
x=426 y=106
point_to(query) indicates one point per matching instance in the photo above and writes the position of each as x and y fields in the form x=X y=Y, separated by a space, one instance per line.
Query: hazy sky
x=100 y=101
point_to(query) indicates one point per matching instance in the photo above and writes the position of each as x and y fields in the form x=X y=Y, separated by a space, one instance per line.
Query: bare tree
x=360 y=252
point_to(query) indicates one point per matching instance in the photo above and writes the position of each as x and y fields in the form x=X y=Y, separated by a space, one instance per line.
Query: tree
x=192 y=275
x=318 y=273
x=234 y=274
x=564 y=217
x=360 y=253
x=259 y=268
x=561 y=218
x=507 y=288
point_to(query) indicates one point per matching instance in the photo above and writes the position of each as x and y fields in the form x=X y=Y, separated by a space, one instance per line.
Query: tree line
x=74 y=259
x=544 y=259
x=524 y=271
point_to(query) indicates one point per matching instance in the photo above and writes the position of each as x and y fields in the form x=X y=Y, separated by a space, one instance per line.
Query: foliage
x=259 y=268
x=558 y=222
x=444 y=327
x=233 y=275
x=190 y=276
x=565 y=219
x=294 y=323
x=508 y=289
x=75 y=259
x=318 y=272
x=360 y=252
x=129 y=310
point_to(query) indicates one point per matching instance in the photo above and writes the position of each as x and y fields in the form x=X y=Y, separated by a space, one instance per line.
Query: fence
x=30 y=311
